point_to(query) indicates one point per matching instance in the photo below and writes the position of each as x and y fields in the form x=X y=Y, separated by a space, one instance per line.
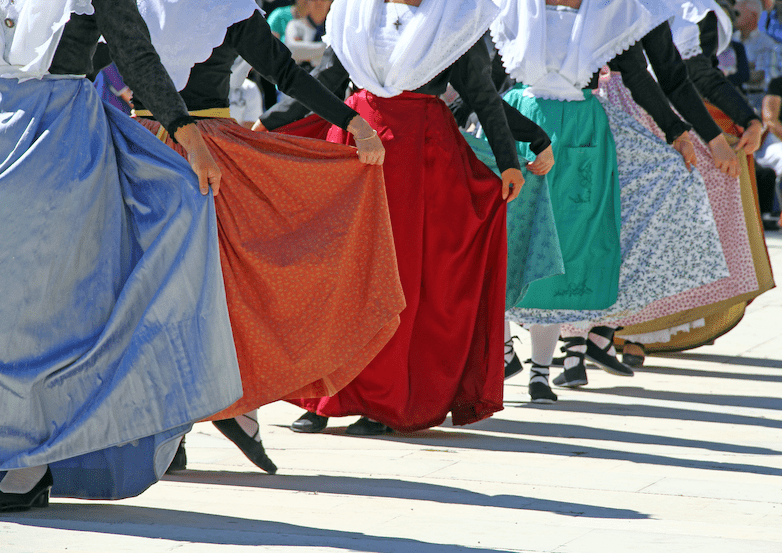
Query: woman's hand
x=750 y=138
x=724 y=157
x=199 y=158
x=543 y=162
x=258 y=126
x=370 y=148
x=512 y=181
x=683 y=145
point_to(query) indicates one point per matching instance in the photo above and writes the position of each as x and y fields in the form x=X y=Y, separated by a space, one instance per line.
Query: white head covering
x=602 y=29
x=28 y=47
x=686 y=34
x=184 y=32
x=440 y=32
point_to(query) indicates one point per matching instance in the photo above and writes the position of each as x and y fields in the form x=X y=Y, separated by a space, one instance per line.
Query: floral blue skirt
x=114 y=331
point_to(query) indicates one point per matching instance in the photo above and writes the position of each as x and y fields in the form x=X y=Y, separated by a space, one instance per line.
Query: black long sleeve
x=675 y=82
x=329 y=73
x=711 y=82
x=471 y=78
x=646 y=92
x=252 y=39
x=128 y=41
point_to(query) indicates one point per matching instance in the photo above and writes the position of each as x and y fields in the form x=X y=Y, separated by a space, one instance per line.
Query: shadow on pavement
x=578 y=432
x=670 y=371
x=751 y=402
x=400 y=489
x=654 y=412
x=469 y=439
x=194 y=527
x=724 y=359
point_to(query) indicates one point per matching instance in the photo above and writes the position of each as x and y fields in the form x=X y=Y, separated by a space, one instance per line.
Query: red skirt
x=448 y=218
x=308 y=261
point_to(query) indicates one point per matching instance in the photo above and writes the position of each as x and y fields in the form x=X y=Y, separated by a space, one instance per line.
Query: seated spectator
x=770 y=153
x=764 y=54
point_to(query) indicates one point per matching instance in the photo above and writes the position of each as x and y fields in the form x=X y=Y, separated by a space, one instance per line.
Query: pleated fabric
x=114 y=330
x=533 y=244
x=308 y=260
x=448 y=218
x=738 y=223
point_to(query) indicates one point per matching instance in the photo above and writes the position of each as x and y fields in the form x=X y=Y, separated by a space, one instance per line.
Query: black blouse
x=711 y=82
x=128 y=40
x=522 y=128
x=252 y=39
x=470 y=75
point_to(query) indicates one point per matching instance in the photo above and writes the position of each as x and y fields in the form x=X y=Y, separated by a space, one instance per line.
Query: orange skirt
x=308 y=261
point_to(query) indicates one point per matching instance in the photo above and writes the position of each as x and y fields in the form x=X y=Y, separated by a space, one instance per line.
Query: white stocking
x=544 y=342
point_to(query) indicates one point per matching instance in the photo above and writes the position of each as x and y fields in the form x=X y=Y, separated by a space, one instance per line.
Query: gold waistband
x=211 y=112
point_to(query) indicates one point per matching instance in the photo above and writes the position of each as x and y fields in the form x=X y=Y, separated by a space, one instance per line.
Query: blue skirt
x=114 y=331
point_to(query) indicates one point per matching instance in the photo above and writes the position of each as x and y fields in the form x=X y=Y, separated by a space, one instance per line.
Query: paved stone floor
x=685 y=457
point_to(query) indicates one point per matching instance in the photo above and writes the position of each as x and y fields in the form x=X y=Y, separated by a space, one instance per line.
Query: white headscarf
x=602 y=29
x=184 y=32
x=440 y=32
x=686 y=34
x=28 y=47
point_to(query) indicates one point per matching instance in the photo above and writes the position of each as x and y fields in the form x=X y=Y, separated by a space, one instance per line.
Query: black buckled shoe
x=37 y=497
x=367 y=427
x=252 y=448
x=605 y=357
x=575 y=375
x=310 y=423
x=514 y=366
x=179 y=462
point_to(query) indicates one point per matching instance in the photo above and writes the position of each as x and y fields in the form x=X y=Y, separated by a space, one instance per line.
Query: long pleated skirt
x=114 y=329
x=740 y=233
x=448 y=219
x=308 y=261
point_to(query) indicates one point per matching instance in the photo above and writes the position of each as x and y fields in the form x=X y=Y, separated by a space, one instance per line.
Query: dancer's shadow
x=671 y=371
x=751 y=402
x=579 y=432
x=400 y=489
x=194 y=527
x=722 y=359
x=473 y=439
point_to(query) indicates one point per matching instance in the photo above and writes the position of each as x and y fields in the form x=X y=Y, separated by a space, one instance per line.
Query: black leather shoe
x=576 y=375
x=179 y=462
x=366 y=427
x=514 y=366
x=632 y=359
x=605 y=357
x=310 y=423
x=252 y=448
x=37 y=497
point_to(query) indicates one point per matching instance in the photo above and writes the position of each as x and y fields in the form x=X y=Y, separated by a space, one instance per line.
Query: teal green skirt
x=533 y=252
x=584 y=187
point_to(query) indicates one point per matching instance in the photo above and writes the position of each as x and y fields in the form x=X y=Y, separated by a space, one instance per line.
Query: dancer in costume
x=114 y=331
x=606 y=271
x=447 y=209
x=305 y=237
x=700 y=315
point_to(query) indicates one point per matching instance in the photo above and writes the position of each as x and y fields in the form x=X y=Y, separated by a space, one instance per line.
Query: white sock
x=573 y=360
x=544 y=342
x=22 y=480
x=249 y=423
x=509 y=352
x=602 y=343
x=538 y=374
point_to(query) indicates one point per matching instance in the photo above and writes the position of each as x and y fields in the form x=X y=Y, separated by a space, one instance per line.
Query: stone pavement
x=685 y=457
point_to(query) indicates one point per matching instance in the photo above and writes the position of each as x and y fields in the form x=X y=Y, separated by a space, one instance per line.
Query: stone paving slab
x=685 y=457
